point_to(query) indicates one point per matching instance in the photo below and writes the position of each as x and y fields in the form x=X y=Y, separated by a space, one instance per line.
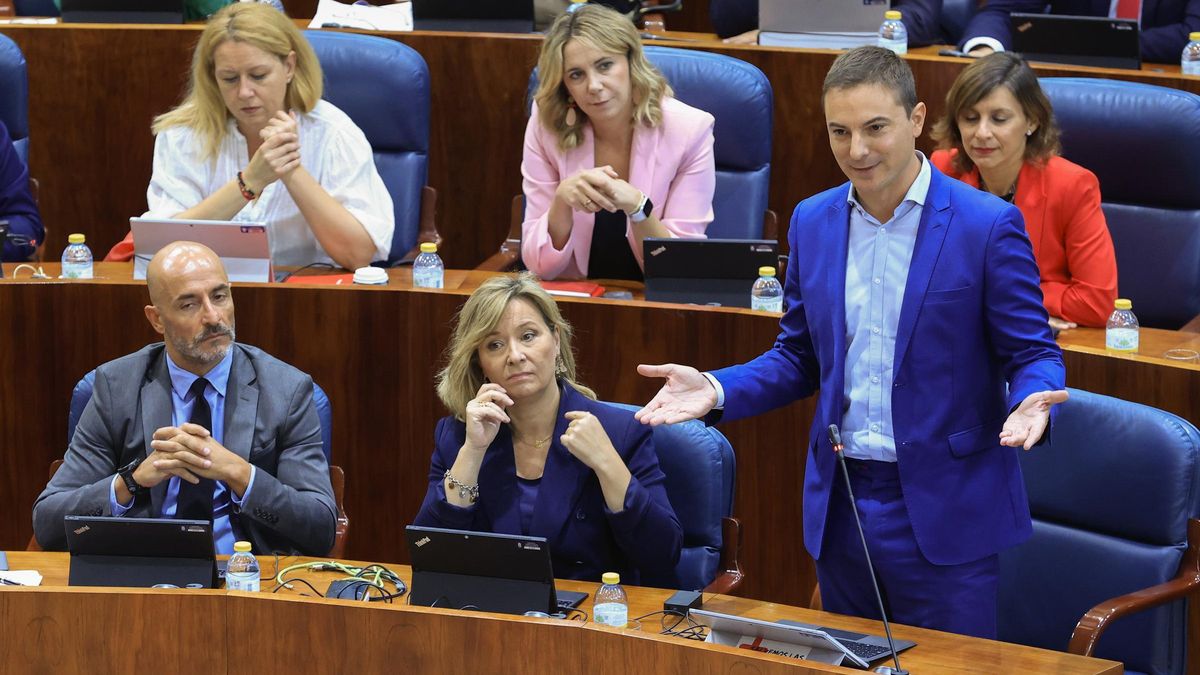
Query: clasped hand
x=189 y=452
x=279 y=154
x=591 y=190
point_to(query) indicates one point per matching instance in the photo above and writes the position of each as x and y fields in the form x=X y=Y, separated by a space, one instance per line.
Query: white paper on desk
x=394 y=17
x=23 y=577
x=31 y=20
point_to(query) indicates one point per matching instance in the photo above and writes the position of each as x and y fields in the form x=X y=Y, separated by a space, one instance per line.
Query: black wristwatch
x=126 y=474
x=643 y=211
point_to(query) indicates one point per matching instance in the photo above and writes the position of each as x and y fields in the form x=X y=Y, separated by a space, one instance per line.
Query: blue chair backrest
x=1142 y=142
x=739 y=96
x=36 y=8
x=383 y=86
x=700 y=469
x=83 y=393
x=14 y=96
x=1111 y=494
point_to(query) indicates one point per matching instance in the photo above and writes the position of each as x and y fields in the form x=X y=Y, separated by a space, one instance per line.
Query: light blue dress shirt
x=224 y=500
x=877 y=262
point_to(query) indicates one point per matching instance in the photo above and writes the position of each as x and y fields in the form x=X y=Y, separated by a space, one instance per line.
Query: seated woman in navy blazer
x=530 y=451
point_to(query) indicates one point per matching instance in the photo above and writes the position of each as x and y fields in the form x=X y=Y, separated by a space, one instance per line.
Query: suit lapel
x=156 y=407
x=498 y=496
x=241 y=405
x=563 y=476
x=642 y=155
x=935 y=219
x=837 y=234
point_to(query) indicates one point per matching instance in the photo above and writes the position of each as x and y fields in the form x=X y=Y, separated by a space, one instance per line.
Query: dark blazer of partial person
x=16 y=201
x=1165 y=23
x=971 y=320
x=922 y=18
x=270 y=420
x=642 y=542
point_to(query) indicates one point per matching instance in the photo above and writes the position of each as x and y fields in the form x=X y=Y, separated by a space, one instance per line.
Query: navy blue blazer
x=1165 y=23
x=973 y=340
x=922 y=18
x=16 y=202
x=642 y=542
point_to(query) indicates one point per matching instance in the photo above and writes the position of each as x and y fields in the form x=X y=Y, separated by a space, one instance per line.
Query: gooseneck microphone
x=835 y=439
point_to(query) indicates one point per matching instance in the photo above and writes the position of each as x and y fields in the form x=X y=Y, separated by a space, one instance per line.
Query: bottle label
x=242 y=582
x=427 y=278
x=1121 y=339
x=76 y=271
x=898 y=46
x=766 y=304
x=611 y=614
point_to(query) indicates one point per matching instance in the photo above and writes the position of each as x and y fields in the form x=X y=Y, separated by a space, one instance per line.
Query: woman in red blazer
x=999 y=135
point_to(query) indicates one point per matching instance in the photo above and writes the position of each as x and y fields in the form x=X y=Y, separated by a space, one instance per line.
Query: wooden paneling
x=94 y=90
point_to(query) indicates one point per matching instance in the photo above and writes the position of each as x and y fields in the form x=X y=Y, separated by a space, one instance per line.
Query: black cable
x=286 y=582
x=289 y=275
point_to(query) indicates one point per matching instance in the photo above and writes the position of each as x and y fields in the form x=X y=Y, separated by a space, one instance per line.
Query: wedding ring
x=588 y=203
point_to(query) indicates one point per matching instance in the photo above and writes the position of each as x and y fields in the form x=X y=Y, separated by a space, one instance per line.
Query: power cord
x=34 y=272
x=372 y=578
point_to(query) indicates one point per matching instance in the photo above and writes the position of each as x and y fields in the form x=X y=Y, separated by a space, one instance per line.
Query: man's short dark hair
x=873 y=65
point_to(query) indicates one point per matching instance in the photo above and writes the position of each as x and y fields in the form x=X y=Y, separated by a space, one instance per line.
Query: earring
x=560 y=368
x=1029 y=132
x=571 y=119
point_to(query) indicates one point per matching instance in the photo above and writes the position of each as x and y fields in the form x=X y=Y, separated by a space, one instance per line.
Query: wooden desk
x=95 y=89
x=375 y=351
x=68 y=629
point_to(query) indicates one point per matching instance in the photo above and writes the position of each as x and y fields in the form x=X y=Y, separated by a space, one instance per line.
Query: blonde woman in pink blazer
x=610 y=157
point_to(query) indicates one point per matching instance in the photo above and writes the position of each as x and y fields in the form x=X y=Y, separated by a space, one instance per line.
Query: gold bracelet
x=468 y=492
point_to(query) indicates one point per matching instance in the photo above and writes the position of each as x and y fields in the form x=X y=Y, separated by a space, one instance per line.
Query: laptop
x=705 y=271
x=788 y=638
x=140 y=552
x=244 y=248
x=122 y=11
x=493 y=16
x=1079 y=40
x=820 y=24
x=457 y=569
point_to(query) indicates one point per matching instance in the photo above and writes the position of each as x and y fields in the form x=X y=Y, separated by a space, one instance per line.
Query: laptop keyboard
x=863 y=651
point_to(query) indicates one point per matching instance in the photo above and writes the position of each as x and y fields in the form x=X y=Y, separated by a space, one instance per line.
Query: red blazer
x=1060 y=201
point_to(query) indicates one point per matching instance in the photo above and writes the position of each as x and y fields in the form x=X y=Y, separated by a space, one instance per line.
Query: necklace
x=536 y=444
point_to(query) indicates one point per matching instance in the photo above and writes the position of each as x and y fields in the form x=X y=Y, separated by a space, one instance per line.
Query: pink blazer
x=672 y=163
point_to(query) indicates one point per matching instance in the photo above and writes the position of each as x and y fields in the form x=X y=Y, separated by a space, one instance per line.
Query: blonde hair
x=461 y=378
x=610 y=32
x=257 y=24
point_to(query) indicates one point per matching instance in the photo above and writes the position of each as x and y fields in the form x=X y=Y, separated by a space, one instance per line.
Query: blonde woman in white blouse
x=253 y=141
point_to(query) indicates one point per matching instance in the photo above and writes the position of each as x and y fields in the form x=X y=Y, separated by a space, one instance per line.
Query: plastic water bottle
x=428 y=271
x=892 y=33
x=767 y=294
x=1121 y=333
x=610 y=606
x=241 y=574
x=76 y=259
x=1190 y=62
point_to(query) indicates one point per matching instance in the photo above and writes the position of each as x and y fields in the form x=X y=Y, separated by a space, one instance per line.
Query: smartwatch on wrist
x=126 y=474
x=643 y=210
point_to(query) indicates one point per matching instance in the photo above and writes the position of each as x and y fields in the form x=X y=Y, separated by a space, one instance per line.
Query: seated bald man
x=198 y=426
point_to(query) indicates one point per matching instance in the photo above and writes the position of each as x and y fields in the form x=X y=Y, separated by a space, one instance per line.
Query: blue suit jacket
x=16 y=202
x=1165 y=23
x=642 y=542
x=971 y=322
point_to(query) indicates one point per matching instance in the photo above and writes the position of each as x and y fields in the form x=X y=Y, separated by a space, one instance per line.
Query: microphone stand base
x=888 y=670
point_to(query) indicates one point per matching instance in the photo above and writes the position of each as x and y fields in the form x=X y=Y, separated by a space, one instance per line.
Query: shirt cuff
x=237 y=501
x=983 y=40
x=117 y=509
x=720 y=391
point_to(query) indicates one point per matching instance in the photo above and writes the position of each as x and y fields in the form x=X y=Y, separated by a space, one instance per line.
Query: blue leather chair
x=739 y=96
x=36 y=8
x=1115 y=494
x=1142 y=142
x=700 y=469
x=14 y=96
x=383 y=85
x=83 y=393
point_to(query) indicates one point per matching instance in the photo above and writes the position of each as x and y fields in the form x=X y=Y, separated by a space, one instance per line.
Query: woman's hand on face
x=586 y=439
x=589 y=190
x=484 y=415
x=279 y=154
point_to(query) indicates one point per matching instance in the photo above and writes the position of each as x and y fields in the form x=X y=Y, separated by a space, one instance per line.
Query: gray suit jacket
x=270 y=420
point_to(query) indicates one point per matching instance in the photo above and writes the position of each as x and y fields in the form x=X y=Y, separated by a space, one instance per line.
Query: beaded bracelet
x=468 y=492
x=246 y=192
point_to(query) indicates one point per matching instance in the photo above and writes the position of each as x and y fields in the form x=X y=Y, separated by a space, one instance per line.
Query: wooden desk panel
x=95 y=89
x=290 y=633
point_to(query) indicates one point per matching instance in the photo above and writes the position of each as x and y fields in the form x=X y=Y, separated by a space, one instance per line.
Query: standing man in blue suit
x=1165 y=24
x=913 y=306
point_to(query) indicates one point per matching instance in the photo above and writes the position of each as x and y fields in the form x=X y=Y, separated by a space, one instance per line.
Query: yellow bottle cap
x=429 y=247
x=1122 y=303
x=76 y=238
x=766 y=271
x=611 y=578
x=891 y=15
x=242 y=547
x=1194 y=36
